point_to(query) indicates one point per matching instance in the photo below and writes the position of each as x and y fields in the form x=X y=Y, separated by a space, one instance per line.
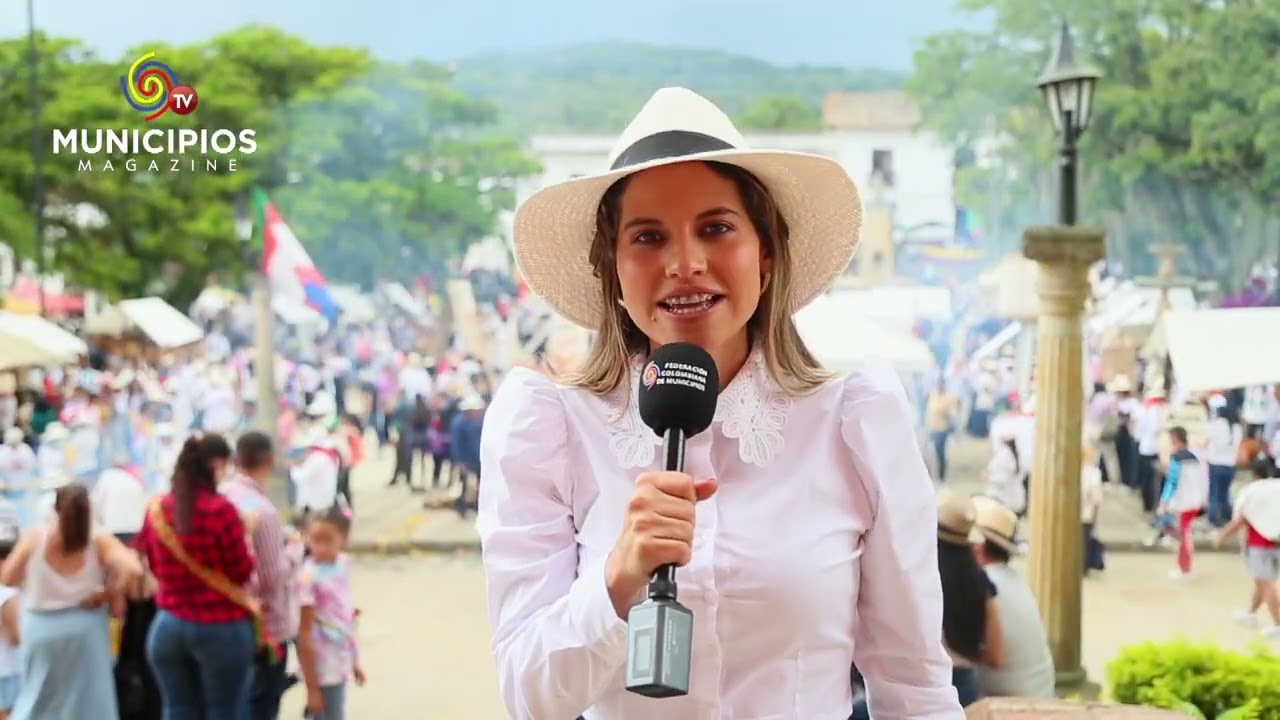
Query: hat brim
x=953 y=537
x=981 y=533
x=555 y=226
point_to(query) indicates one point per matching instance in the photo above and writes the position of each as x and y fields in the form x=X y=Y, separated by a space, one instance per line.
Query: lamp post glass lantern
x=1067 y=86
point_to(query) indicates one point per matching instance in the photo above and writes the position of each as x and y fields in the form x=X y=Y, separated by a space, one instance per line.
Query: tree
x=781 y=113
x=397 y=166
x=332 y=163
x=597 y=88
x=1181 y=148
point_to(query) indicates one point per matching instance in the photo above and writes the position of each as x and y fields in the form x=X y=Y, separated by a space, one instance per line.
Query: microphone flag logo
x=650 y=375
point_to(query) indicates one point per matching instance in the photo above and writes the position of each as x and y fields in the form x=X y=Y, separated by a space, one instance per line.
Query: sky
x=852 y=33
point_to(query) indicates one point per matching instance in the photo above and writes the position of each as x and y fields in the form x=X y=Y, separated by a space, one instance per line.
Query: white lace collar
x=751 y=410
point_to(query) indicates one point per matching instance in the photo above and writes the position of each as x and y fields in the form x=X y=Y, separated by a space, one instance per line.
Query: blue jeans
x=1220 y=477
x=203 y=669
x=335 y=703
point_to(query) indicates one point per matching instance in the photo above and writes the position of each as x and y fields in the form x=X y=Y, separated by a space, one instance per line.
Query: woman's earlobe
x=764 y=282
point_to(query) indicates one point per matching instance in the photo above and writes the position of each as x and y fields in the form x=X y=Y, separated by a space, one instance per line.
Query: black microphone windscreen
x=678 y=389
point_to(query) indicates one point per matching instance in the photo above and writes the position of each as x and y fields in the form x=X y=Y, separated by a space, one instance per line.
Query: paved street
x=425 y=633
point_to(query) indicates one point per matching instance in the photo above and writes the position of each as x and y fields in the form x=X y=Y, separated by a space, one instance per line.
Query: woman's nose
x=686 y=256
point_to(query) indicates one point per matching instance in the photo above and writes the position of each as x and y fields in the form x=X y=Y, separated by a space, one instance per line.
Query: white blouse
x=818 y=549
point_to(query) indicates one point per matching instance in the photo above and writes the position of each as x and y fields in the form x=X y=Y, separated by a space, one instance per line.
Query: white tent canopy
x=1130 y=305
x=37 y=331
x=900 y=306
x=356 y=306
x=1219 y=349
x=163 y=324
x=296 y=313
x=841 y=338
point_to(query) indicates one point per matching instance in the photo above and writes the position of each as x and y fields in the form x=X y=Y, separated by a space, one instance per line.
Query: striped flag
x=285 y=262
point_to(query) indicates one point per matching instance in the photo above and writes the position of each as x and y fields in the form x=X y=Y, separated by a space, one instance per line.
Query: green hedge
x=1218 y=683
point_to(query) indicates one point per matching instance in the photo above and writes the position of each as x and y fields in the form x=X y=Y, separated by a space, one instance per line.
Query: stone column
x=1055 y=560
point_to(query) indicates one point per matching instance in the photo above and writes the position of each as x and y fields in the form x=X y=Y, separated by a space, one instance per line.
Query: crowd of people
x=148 y=572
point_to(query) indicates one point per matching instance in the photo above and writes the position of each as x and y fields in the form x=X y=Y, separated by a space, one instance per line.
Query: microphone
x=678 y=392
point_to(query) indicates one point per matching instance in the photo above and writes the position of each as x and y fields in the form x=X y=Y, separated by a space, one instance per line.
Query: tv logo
x=152 y=87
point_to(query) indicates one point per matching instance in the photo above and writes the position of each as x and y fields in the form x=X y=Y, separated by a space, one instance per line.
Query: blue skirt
x=66 y=667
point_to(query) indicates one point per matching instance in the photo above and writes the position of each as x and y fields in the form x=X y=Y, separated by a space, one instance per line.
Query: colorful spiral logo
x=650 y=375
x=149 y=86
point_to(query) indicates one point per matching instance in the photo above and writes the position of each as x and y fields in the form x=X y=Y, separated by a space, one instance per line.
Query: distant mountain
x=849 y=34
x=598 y=87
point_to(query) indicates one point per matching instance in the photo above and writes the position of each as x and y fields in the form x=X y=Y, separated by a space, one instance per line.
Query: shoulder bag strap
x=208 y=576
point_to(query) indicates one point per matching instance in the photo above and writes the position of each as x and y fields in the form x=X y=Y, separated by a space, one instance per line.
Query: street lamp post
x=37 y=153
x=1068 y=88
x=1064 y=254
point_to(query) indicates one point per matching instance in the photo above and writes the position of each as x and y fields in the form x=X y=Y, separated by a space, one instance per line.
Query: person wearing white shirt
x=315 y=478
x=119 y=502
x=1148 y=423
x=413 y=379
x=1027 y=670
x=1221 y=450
x=803 y=522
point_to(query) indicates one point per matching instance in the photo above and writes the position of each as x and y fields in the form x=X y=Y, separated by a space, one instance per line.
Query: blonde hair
x=618 y=339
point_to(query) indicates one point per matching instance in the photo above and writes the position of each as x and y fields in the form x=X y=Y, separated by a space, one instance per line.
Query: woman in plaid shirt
x=201 y=645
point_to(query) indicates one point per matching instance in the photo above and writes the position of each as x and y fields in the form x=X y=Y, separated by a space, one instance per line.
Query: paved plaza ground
x=425 y=633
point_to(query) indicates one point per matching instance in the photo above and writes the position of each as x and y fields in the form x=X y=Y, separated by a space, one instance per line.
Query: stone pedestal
x=1018 y=709
x=1055 y=560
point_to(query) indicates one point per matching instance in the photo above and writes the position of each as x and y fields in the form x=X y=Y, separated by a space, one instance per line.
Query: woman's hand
x=657 y=530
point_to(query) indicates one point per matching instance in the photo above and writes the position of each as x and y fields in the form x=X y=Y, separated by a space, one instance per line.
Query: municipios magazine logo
x=152 y=87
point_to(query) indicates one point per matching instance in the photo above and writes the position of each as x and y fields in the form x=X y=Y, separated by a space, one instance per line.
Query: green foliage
x=781 y=113
x=1212 y=682
x=599 y=87
x=1183 y=146
x=380 y=169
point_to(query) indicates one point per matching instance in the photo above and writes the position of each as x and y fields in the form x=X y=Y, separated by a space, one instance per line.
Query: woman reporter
x=804 y=525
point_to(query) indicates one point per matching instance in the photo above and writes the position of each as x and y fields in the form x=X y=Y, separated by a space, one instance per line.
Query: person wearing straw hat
x=19 y=473
x=1148 y=424
x=692 y=236
x=315 y=477
x=464 y=445
x=1027 y=670
x=970 y=621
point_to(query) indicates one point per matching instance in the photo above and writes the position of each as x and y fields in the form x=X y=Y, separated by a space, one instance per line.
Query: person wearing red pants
x=1186 y=492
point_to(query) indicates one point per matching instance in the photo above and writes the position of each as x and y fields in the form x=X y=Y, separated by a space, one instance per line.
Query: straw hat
x=55 y=431
x=322 y=405
x=555 y=227
x=123 y=380
x=955 y=517
x=994 y=522
x=471 y=402
x=1120 y=384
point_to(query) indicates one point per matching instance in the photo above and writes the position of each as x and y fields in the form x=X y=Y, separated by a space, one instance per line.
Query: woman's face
x=689 y=260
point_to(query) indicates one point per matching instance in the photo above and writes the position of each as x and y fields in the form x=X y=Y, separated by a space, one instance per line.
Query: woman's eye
x=648 y=236
x=717 y=228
